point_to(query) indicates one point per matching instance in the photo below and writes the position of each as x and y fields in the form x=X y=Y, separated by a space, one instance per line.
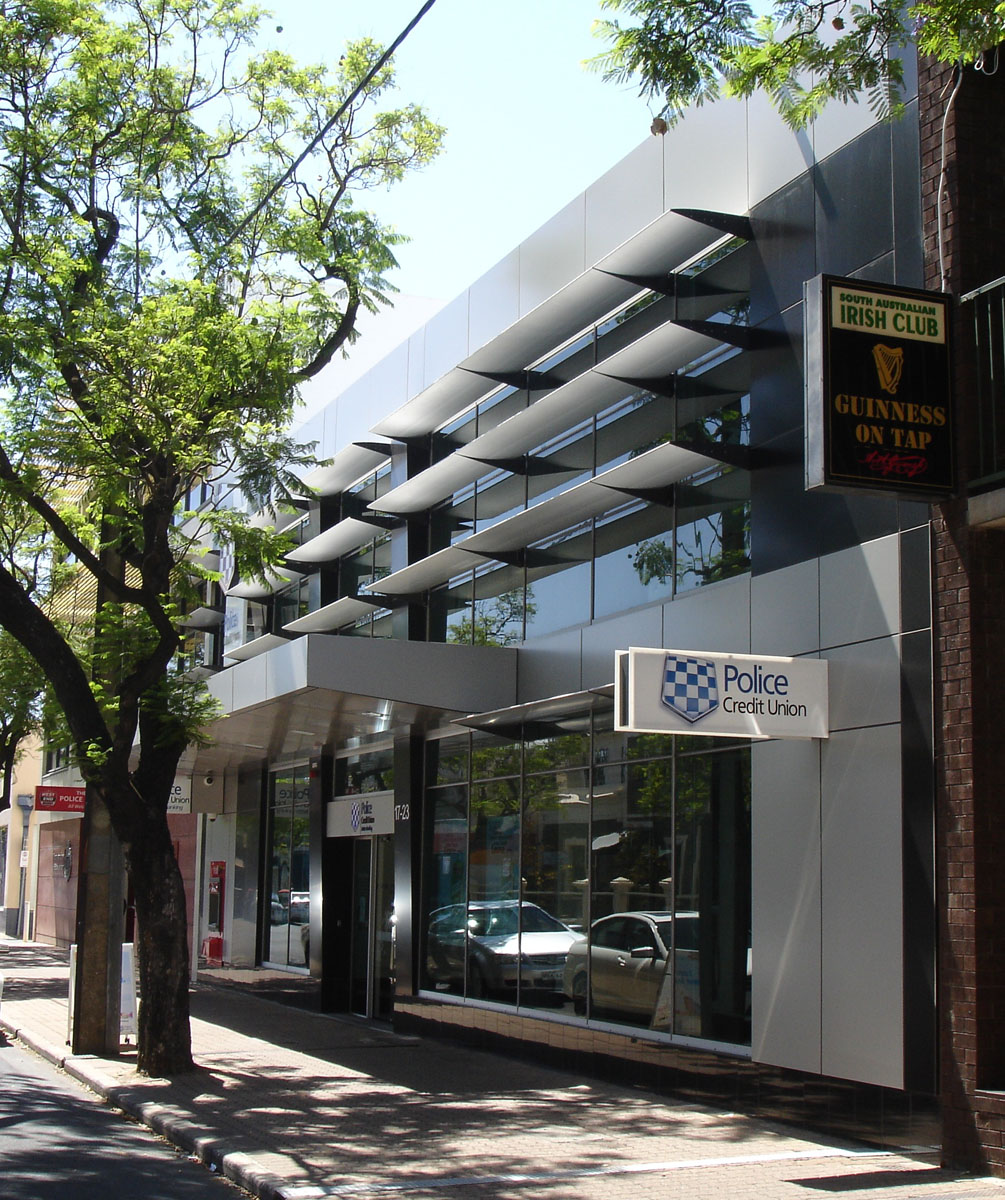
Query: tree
x=802 y=53
x=169 y=273
x=20 y=708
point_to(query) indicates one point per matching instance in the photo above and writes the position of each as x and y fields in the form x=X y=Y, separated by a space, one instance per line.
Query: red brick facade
x=969 y=603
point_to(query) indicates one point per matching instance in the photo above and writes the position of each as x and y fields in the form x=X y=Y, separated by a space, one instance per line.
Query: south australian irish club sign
x=878 y=389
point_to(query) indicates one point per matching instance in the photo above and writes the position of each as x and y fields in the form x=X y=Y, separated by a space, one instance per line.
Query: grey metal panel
x=716 y=617
x=785 y=904
x=494 y=300
x=864 y=683
x=784 y=610
x=550 y=666
x=624 y=200
x=446 y=339
x=862 y=1028
x=642 y=627
x=778 y=155
x=553 y=255
x=705 y=159
x=433 y=675
x=838 y=124
x=860 y=592
x=286 y=670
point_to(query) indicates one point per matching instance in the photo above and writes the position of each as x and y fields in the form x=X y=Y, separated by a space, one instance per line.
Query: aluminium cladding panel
x=786 y=904
x=706 y=159
x=625 y=199
x=785 y=610
x=553 y=255
x=860 y=592
x=862 y=910
x=715 y=617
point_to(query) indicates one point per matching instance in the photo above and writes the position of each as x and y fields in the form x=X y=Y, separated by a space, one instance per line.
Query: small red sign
x=60 y=799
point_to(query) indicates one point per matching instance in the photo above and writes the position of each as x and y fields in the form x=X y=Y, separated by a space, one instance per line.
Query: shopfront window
x=601 y=874
x=288 y=869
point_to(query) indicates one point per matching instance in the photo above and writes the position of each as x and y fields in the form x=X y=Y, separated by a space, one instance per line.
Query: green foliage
x=183 y=242
x=801 y=53
x=170 y=272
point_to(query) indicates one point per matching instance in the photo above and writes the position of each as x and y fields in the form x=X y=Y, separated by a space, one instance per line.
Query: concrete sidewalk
x=295 y=1104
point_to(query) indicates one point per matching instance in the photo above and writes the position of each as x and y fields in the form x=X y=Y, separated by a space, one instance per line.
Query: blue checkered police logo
x=689 y=687
x=356 y=814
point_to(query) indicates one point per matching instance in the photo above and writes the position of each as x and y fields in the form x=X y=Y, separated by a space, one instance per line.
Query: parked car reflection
x=626 y=970
x=505 y=943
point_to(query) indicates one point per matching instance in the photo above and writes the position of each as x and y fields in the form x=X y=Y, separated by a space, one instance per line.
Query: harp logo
x=889 y=366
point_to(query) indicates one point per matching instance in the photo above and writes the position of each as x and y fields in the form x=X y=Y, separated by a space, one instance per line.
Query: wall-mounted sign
x=180 y=799
x=59 y=799
x=720 y=695
x=361 y=816
x=878 y=388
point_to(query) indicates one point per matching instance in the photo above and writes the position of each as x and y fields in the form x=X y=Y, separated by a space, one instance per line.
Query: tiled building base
x=882 y=1116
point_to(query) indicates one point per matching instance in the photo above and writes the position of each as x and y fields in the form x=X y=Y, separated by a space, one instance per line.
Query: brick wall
x=969 y=610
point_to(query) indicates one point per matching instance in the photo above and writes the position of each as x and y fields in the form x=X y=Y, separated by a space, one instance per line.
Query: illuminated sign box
x=720 y=695
x=878 y=389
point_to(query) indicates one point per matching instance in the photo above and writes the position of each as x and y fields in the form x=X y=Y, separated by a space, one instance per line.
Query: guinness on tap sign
x=878 y=388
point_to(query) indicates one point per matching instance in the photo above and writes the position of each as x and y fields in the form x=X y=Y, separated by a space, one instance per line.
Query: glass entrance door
x=372 y=942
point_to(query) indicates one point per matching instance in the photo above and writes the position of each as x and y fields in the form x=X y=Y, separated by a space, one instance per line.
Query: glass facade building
x=600 y=446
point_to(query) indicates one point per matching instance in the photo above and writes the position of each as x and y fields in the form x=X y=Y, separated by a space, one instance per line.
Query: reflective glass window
x=493 y=947
x=634 y=558
x=712 y=896
x=555 y=853
x=498 y=606
x=288 y=884
x=447 y=759
x=445 y=889
x=712 y=539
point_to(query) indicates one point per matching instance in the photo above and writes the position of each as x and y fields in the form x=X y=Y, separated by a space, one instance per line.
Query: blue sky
x=527 y=127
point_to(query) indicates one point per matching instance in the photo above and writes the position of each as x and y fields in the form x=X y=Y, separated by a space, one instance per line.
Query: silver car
x=625 y=967
x=504 y=942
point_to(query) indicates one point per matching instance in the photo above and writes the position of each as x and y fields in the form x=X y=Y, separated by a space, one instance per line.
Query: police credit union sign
x=878 y=388
x=720 y=695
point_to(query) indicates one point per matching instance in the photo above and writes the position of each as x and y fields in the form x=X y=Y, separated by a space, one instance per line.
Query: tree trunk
x=164 y=1037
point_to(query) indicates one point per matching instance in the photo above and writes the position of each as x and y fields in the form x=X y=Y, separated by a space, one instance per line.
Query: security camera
x=209 y=781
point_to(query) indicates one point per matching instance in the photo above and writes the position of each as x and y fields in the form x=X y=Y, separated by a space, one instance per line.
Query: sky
x=528 y=129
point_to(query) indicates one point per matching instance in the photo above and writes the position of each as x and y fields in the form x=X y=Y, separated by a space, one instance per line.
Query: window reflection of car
x=277 y=910
x=506 y=942
x=300 y=908
x=628 y=962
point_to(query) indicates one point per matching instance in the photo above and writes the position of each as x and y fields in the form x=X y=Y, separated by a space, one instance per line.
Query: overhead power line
x=333 y=120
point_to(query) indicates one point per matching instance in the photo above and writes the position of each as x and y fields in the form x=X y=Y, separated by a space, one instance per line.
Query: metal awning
x=665 y=244
x=345 y=467
x=261 y=589
x=658 y=353
x=338 y=614
x=340 y=538
x=427 y=572
x=656 y=468
x=562 y=711
x=259 y=645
